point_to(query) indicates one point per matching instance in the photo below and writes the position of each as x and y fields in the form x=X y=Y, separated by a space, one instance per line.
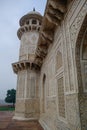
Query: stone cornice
x=54 y=13
x=23 y=65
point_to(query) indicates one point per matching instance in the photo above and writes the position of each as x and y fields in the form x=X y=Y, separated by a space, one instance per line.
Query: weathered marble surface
x=58 y=99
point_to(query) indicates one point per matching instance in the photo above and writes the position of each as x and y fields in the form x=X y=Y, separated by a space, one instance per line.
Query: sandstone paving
x=7 y=123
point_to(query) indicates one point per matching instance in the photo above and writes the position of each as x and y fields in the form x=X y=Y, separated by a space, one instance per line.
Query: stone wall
x=28 y=45
x=27 y=100
x=61 y=102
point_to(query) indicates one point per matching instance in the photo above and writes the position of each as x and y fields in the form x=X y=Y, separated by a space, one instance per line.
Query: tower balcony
x=23 y=65
x=27 y=28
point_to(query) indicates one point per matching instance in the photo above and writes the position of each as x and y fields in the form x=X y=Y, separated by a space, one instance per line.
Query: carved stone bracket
x=59 y=5
x=39 y=61
x=48 y=34
x=55 y=11
x=52 y=19
x=23 y=65
x=54 y=14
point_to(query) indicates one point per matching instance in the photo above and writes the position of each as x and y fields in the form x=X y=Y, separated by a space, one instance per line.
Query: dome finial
x=33 y=9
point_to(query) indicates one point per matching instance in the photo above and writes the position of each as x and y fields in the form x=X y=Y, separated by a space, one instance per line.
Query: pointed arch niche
x=43 y=93
x=81 y=63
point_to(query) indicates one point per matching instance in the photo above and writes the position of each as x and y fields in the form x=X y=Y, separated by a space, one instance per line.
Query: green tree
x=11 y=96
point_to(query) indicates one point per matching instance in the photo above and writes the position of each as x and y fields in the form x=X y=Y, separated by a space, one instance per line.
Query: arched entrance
x=43 y=93
x=81 y=63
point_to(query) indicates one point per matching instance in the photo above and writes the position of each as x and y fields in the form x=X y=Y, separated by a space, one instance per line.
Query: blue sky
x=10 y=13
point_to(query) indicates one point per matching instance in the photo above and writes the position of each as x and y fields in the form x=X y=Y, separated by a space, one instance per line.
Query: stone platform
x=6 y=123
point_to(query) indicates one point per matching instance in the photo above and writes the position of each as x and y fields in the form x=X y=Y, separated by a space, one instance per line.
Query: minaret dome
x=30 y=21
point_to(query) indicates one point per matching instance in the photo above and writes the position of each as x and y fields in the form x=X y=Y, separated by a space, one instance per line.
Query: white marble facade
x=52 y=67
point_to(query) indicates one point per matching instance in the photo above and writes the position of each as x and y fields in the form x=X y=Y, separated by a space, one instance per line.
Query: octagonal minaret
x=27 y=98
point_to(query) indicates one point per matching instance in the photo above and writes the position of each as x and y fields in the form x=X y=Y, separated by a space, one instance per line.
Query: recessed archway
x=43 y=93
x=81 y=63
